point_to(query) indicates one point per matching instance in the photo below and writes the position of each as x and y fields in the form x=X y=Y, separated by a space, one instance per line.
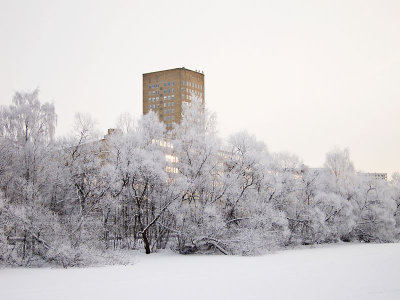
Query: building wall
x=377 y=176
x=166 y=91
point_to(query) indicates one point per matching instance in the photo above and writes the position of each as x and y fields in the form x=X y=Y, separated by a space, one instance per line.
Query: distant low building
x=376 y=176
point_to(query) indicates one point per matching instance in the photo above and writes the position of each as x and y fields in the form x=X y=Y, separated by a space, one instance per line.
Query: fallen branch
x=237 y=219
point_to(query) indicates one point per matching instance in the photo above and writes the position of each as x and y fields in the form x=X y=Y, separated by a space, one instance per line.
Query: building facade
x=166 y=92
x=376 y=176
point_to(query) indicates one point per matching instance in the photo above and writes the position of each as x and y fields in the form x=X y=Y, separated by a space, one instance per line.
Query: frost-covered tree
x=28 y=120
x=374 y=210
x=140 y=185
x=81 y=180
x=27 y=139
x=126 y=123
x=26 y=128
x=251 y=216
x=196 y=147
x=395 y=187
x=341 y=168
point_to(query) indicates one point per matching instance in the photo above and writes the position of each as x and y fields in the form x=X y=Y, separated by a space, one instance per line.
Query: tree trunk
x=146 y=242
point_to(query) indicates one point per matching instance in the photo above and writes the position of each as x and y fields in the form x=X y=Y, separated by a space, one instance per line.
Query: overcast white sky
x=303 y=76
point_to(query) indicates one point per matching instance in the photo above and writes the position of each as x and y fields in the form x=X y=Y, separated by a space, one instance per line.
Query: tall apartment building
x=165 y=92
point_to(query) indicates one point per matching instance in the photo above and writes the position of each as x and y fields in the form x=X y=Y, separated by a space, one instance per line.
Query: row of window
x=191 y=84
x=192 y=91
x=156 y=85
x=170 y=169
x=169 y=111
x=187 y=83
x=158 y=92
x=153 y=106
x=171 y=158
x=167 y=104
x=162 y=143
x=154 y=99
x=188 y=97
x=169 y=118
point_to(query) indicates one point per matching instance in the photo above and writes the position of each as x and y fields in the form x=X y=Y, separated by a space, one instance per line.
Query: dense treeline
x=74 y=200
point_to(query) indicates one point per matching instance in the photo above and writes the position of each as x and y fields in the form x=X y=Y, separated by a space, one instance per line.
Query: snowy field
x=358 y=271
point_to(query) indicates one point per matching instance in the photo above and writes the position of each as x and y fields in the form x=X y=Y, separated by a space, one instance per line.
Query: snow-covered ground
x=360 y=271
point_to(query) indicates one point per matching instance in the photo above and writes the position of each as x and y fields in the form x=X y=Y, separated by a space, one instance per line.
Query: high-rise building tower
x=166 y=91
